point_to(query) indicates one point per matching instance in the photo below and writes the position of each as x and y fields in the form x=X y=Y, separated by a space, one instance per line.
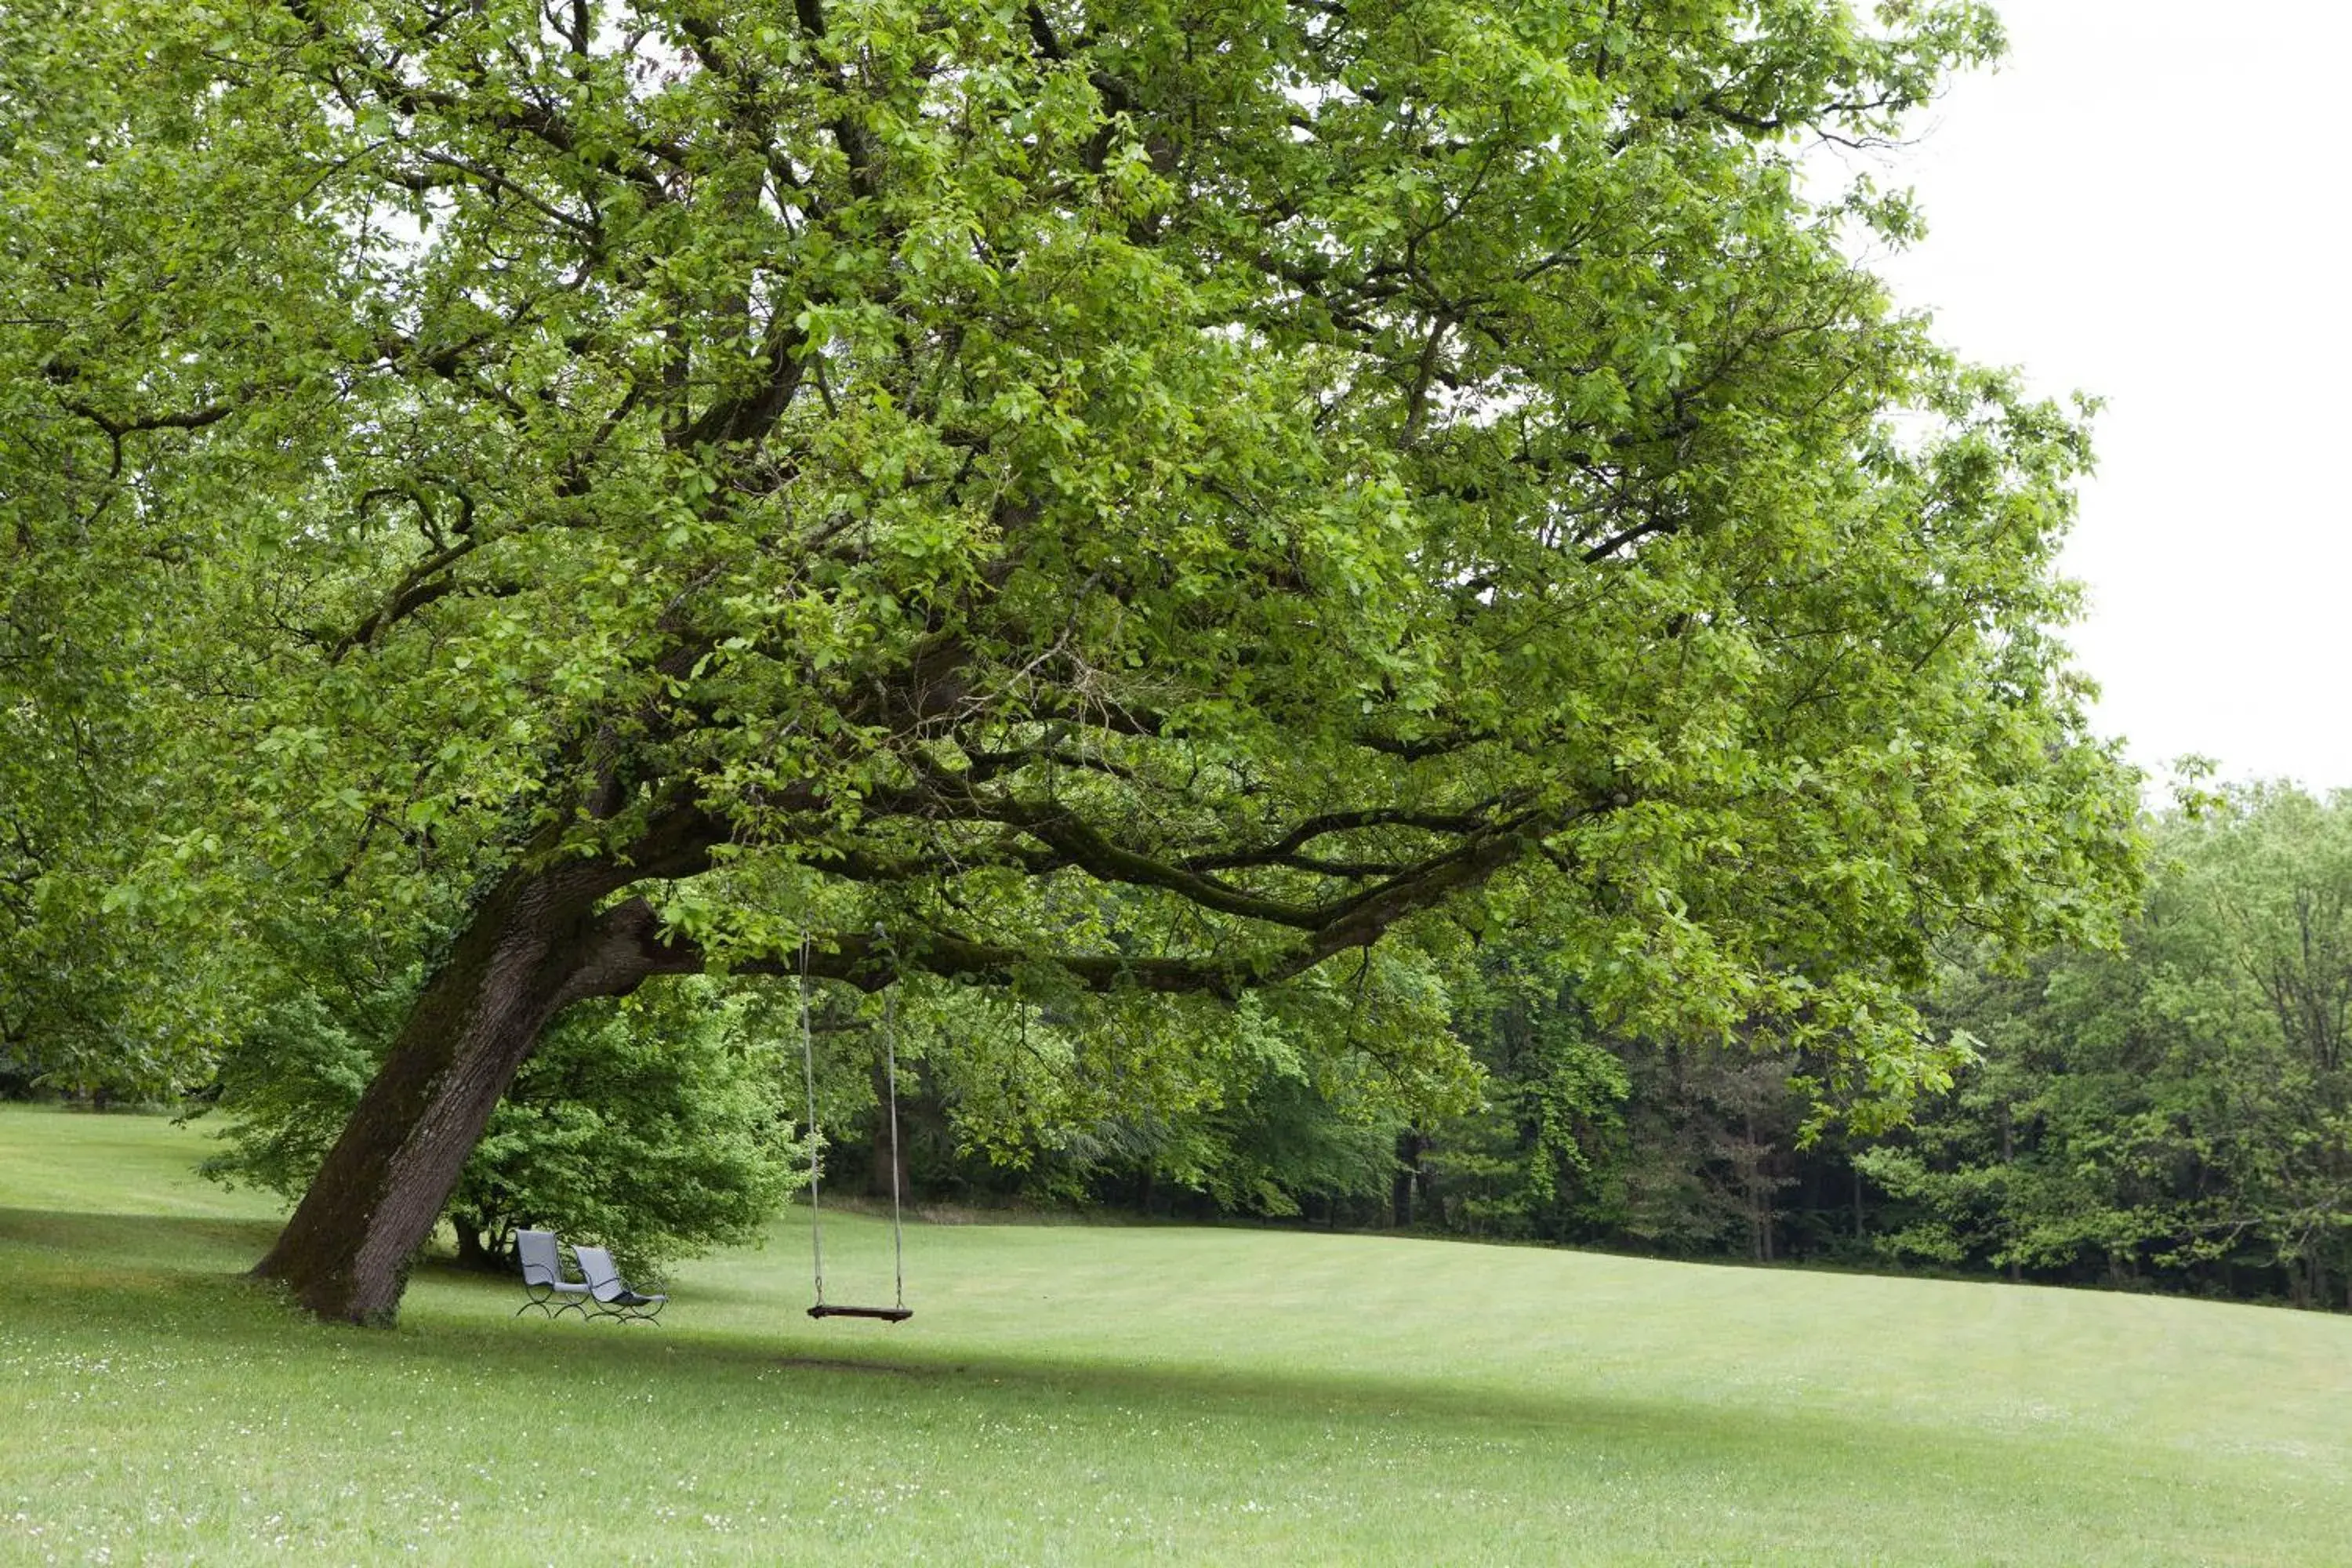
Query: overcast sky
x=2150 y=202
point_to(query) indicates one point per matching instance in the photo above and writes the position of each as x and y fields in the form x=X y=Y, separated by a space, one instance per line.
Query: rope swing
x=899 y=1311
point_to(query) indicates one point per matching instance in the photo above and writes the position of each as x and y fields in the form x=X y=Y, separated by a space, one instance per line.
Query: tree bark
x=473 y=1253
x=1400 y=1185
x=534 y=945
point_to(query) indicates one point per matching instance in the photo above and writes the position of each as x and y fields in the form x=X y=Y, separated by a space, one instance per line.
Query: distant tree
x=1115 y=497
x=2182 y=1109
x=1535 y=1157
x=1594 y=1134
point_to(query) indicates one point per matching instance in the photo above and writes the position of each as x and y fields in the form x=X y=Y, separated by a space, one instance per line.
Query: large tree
x=1148 y=498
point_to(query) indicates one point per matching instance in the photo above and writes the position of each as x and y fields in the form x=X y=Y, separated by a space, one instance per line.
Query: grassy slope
x=1083 y=1395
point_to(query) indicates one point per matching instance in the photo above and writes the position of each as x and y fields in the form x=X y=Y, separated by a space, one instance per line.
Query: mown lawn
x=1089 y=1394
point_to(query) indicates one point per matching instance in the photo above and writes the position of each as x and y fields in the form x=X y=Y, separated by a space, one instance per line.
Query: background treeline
x=2174 y=1116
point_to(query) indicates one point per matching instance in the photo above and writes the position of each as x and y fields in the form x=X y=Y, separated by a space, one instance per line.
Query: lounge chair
x=543 y=1276
x=612 y=1298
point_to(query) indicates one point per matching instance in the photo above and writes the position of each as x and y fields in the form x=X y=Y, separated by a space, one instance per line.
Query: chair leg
x=553 y=1304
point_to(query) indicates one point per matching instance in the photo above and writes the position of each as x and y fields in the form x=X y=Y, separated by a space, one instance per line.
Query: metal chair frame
x=610 y=1296
x=542 y=1277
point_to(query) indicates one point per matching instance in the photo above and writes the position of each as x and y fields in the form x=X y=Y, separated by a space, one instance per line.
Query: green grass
x=1081 y=1394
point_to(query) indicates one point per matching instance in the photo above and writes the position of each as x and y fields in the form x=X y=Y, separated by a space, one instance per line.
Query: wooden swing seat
x=887 y=1314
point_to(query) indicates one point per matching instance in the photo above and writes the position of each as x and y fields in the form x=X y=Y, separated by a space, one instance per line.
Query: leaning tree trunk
x=533 y=945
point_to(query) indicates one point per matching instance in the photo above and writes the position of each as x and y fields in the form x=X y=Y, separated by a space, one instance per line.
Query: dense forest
x=2173 y=1115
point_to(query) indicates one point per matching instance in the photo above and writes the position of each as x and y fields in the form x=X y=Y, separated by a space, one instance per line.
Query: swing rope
x=808 y=1068
x=890 y=1065
x=897 y=1312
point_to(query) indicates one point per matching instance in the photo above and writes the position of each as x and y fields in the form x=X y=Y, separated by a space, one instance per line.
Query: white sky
x=2148 y=201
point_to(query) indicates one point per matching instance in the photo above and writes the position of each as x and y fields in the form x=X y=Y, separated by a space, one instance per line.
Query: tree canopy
x=1115 y=498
